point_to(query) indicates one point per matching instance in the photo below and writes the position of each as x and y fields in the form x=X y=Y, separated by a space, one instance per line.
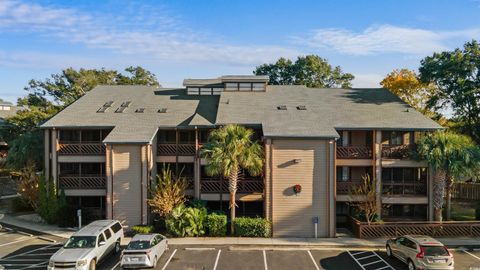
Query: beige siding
x=292 y=214
x=127 y=186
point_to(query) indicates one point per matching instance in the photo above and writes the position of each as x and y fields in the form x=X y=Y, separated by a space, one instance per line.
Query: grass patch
x=463 y=210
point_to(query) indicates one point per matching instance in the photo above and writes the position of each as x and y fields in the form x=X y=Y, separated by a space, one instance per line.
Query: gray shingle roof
x=326 y=111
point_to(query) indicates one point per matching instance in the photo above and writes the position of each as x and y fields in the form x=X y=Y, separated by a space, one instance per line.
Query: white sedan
x=143 y=251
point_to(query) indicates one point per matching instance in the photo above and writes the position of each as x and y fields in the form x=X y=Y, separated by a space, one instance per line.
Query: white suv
x=88 y=246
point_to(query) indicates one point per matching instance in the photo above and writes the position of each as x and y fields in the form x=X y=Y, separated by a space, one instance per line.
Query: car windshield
x=435 y=251
x=81 y=242
x=135 y=245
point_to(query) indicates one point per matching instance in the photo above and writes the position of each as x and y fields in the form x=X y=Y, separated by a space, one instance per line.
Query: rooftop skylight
x=282 y=107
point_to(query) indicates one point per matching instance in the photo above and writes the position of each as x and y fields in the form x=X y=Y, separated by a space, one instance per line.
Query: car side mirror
x=101 y=243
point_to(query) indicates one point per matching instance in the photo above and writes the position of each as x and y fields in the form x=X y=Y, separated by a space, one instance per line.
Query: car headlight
x=51 y=263
x=81 y=263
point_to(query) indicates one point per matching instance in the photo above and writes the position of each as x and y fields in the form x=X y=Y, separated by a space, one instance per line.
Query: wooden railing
x=344 y=187
x=397 y=151
x=210 y=185
x=171 y=149
x=435 y=229
x=354 y=152
x=82 y=182
x=96 y=148
x=466 y=191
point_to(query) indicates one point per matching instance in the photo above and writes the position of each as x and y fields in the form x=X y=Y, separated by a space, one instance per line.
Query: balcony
x=402 y=151
x=404 y=189
x=354 y=152
x=345 y=187
x=172 y=149
x=215 y=185
x=82 y=182
x=84 y=148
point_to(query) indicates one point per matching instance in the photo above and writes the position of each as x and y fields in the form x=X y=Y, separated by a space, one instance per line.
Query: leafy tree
x=310 y=70
x=26 y=149
x=367 y=207
x=169 y=193
x=47 y=201
x=451 y=156
x=29 y=185
x=456 y=74
x=229 y=149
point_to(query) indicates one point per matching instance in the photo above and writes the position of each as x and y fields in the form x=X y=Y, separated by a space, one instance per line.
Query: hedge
x=216 y=224
x=252 y=227
x=142 y=229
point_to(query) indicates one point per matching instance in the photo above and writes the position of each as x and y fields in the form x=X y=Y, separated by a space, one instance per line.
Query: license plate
x=134 y=259
x=439 y=260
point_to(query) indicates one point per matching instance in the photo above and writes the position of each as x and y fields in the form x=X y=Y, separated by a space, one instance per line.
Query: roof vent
x=282 y=108
x=140 y=110
x=108 y=104
x=162 y=110
x=120 y=109
x=102 y=109
x=301 y=108
x=125 y=104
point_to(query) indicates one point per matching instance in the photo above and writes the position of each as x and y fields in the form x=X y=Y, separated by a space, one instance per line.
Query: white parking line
x=265 y=259
x=33 y=250
x=473 y=255
x=34 y=265
x=313 y=260
x=20 y=240
x=216 y=260
x=169 y=259
x=115 y=266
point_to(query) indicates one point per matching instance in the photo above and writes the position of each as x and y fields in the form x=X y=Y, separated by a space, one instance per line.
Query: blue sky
x=195 y=39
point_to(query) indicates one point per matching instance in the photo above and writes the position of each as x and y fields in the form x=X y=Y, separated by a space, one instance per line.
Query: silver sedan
x=143 y=251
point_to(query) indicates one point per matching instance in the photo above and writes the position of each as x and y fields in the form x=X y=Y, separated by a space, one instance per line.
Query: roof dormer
x=231 y=83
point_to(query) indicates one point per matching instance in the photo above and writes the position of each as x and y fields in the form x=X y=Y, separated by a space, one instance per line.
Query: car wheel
x=117 y=247
x=411 y=266
x=155 y=262
x=389 y=251
x=93 y=265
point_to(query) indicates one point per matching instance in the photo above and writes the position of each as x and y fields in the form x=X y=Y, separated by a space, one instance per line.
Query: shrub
x=20 y=205
x=186 y=221
x=252 y=227
x=47 y=201
x=142 y=229
x=216 y=224
x=66 y=215
x=168 y=194
x=197 y=203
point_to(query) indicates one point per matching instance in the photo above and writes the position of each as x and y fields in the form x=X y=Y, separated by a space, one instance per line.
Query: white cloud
x=367 y=80
x=143 y=31
x=384 y=39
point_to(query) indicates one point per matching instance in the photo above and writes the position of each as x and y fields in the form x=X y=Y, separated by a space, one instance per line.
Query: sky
x=178 y=39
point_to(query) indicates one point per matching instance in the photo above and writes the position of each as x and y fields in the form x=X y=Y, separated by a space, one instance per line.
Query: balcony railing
x=82 y=182
x=345 y=187
x=209 y=185
x=81 y=148
x=171 y=149
x=354 y=152
x=397 y=151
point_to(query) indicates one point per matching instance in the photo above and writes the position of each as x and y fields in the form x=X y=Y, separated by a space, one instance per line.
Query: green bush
x=252 y=227
x=20 y=205
x=197 y=203
x=186 y=221
x=142 y=229
x=47 y=201
x=216 y=224
x=66 y=215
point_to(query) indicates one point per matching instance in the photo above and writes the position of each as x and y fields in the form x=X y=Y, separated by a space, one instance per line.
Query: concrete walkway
x=339 y=242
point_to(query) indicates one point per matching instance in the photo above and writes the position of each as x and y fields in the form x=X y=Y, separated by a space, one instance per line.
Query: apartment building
x=105 y=149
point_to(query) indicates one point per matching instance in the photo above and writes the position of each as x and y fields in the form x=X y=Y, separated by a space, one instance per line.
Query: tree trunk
x=448 y=195
x=232 y=188
x=438 y=191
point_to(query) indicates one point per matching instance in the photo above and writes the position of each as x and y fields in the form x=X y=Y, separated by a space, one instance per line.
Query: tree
x=368 y=190
x=310 y=70
x=29 y=185
x=450 y=156
x=229 y=149
x=169 y=193
x=457 y=77
x=405 y=84
x=47 y=201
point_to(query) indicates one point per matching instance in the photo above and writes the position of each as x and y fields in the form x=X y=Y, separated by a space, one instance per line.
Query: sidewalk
x=339 y=242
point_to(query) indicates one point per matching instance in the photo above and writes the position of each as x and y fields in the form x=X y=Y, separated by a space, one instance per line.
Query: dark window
x=93 y=168
x=404 y=181
x=410 y=244
x=91 y=136
x=435 y=251
x=69 y=136
x=101 y=238
x=107 y=233
x=167 y=136
x=116 y=227
x=407 y=211
x=204 y=133
x=392 y=137
x=187 y=136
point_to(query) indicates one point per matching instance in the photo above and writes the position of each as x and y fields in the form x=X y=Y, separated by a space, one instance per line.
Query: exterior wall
x=292 y=215
x=127 y=187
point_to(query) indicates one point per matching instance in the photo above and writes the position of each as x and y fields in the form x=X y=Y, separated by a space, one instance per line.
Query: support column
x=331 y=189
x=377 y=155
x=430 y=193
x=144 y=181
x=54 y=148
x=196 y=167
x=267 y=182
x=48 y=157
x=109 y=174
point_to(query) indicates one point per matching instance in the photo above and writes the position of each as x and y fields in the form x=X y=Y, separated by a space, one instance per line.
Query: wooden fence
x=435 y=229
x=466 y=191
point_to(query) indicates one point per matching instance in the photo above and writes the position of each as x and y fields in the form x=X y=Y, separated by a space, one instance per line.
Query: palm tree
x=451 y=156
x=230 y=149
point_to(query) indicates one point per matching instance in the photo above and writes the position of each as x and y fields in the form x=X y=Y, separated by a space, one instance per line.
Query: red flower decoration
x=297 y=188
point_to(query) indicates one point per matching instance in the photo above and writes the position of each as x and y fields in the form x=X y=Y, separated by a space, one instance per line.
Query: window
x=91 y=136
x=107 y=233
x=101 y=238
x=167 y=136
x=258 y=86
x=206 y=91
x=69 y=168
x=405 y=211
x=409 y=243
x=116 y=227
x=217 y=91
x=245 y=86
x=187 y=136
x=392 y=137
x=404 y=181
x=231 y=86
x=193 y=90
x=204 y=133
x=343 y=173
x=69 y=136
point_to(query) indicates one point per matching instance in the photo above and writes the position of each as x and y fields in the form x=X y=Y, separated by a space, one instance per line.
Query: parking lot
x=20 y=250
